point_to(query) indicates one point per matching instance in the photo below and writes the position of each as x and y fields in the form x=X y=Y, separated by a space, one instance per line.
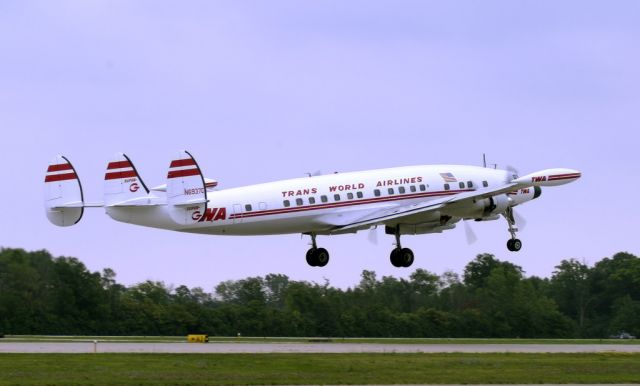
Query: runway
x=289 y=348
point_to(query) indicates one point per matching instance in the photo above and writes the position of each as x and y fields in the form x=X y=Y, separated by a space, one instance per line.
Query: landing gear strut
x=317 y=257
x=514 y=244
x=400 y=257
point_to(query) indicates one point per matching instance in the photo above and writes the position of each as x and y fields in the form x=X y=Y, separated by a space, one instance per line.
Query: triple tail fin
x=63 y=197
x=186 y=190
x=123 y=185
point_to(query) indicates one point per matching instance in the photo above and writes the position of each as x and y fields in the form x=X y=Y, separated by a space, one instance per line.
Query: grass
x=167 y=339
x=255 y=369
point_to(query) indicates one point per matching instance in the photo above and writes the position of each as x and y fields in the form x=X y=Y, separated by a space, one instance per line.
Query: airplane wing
x=388 y=214
x=547 y=177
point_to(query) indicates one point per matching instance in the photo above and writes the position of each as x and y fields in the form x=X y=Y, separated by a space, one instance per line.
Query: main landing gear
x=514 y=244
x=317 y=257
x=401 y=257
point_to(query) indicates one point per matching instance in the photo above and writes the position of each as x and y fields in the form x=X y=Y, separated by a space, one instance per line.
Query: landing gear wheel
x=311 y=257
x=395 y=257
x=322 y=257
x=406 y=257
x=514 y=245
x=317 y=257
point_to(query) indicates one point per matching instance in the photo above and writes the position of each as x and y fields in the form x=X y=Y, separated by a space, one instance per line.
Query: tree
x=571 y=289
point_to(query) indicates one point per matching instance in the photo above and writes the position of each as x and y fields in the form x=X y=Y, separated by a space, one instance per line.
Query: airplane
x=410 y=200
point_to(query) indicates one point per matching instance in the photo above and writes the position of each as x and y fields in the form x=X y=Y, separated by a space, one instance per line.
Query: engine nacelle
x=481 y=208
x=525 y=194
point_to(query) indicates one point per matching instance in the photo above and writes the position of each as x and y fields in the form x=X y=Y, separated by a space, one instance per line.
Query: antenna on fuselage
x=484 y=161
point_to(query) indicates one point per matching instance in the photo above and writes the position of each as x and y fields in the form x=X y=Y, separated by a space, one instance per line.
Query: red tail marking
x=61 y=177
x=182 y=162
x=118 y=175
x=183 y=173
x=119 y=165
x=59 y=167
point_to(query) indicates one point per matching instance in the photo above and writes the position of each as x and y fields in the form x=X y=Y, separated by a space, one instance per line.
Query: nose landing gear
x=514 y=244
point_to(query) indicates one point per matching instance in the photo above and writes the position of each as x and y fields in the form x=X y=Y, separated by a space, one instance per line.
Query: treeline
x=40 y=294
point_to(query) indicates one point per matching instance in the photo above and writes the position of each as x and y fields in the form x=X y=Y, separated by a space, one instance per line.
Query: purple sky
x=261 y=91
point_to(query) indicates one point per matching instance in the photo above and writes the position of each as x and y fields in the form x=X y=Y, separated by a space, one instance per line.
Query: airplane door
x=237 y=211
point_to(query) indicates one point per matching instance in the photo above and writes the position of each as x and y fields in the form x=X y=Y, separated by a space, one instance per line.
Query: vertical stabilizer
x=122 y=183
x=63 y=198
x=186 y=190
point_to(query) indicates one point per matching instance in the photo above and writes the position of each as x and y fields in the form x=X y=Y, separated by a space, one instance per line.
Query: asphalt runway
x=319 y=348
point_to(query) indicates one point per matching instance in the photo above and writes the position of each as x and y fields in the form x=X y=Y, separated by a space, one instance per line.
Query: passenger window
x=336 y=197
x=247 y=207
x=312 y=200
x=350 y=196
x=286 y=203
x=390 y=190
x=359 y=194
x=376 y=192
x=412 y=188
x=422 y=188
x=298 y=201
x=446 y=187
x=324 y=198
x=469 y=184
x=401 y=190
x=461 y=184
x=485 y=183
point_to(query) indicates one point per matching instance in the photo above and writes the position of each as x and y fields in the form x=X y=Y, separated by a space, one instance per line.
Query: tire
x=516 y=245
x=406 y=257
x=322 y=257
x=312 y=259
x=395 y=257
x=510 y=245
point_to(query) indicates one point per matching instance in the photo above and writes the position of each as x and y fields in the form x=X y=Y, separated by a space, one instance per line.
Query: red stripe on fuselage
x=182 y=162
x=59 y=167
x=61 y=177
x=183 y=173
x=118 y=175
x=346 y=203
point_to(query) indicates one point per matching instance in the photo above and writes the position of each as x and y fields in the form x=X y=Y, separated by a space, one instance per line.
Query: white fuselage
x=318 y=204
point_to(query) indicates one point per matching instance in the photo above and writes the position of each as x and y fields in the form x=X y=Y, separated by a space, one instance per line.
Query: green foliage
x=310 y=369
x=40 y=294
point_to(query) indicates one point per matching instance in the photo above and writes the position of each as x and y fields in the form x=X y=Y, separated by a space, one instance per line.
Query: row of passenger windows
x=323 y=198
x=376 y=192
x=469 y=185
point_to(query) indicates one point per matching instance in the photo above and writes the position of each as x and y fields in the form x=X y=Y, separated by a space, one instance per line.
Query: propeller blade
x=521 y=223
x=373 y=235
x=513 y=171
x=471 y=235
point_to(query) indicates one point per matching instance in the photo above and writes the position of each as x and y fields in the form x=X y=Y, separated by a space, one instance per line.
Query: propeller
x=469 y=233
x=513 y=171
x=520 y=221
x=373 y=235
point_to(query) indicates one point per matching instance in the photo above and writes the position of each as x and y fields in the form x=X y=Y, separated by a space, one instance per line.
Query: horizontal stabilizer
x=63 y=198
x=208 y=182
x=186 y=189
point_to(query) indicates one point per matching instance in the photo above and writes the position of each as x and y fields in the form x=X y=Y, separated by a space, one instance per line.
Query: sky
x=260 y=91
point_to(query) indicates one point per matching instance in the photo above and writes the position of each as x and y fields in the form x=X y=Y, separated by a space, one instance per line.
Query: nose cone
x=563 y=176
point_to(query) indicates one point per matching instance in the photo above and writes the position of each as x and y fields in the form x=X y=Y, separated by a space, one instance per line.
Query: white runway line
x=337 y=348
